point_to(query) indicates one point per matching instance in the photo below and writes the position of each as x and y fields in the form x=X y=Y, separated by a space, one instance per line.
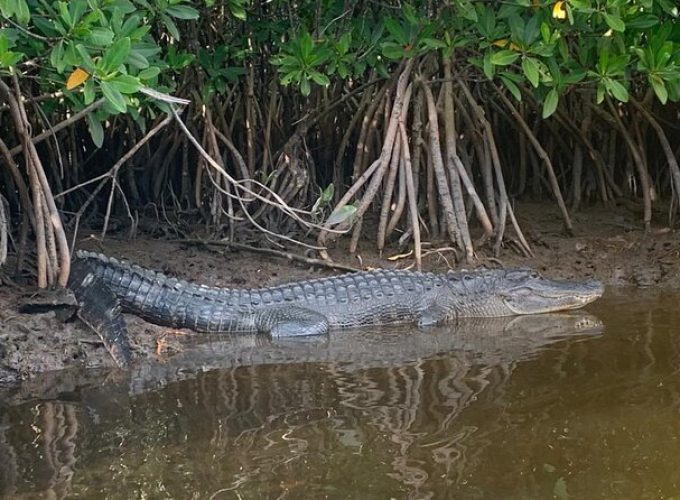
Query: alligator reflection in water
x=378 y=405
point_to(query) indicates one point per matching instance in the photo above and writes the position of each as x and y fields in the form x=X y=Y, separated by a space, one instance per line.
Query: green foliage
x=110 y=41
x=300 y=62
x=546 y=48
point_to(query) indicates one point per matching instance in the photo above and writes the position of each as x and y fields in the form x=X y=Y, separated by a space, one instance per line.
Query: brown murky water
x=548 y=407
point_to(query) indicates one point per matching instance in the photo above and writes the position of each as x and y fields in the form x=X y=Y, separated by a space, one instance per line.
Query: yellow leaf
x=500 y=43
x=559 y=12
x=76 y=78
x=514 y=46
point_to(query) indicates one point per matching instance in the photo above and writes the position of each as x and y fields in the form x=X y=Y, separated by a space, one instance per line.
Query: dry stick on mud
x=368 y=124
x=4 y=231
x=395 y=167
x=523 y=243
x=368 y=99
x=491 y=150
x=19 y=183
x=453 y=163
x=215 y=153
x=639 y=164
x=388 y=193
x=476 y=135
x=377 y=168
x=450 y=216
x=398 y=207
x=543 y=155
x=412 y=196
x=61 y=258
x=665 y=145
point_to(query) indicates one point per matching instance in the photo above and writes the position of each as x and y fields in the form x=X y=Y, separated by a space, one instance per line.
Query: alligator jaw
x=544 y=295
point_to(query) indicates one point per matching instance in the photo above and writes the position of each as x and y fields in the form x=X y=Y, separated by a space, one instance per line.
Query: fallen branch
x=269 y=251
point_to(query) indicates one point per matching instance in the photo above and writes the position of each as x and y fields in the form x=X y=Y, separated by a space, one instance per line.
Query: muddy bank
x=607 y=247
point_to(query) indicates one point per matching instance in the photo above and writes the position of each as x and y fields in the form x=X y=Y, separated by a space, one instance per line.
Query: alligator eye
x=467 y=278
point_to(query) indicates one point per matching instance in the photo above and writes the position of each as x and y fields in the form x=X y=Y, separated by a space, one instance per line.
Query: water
x=538 y=408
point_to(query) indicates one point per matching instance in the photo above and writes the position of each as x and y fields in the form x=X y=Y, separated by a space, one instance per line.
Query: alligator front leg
x=290 y=321
x=100 y=310
x=432 y=315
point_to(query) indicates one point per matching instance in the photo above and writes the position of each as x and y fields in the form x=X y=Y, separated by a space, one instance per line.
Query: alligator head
x=524 y=291
x=509 y=292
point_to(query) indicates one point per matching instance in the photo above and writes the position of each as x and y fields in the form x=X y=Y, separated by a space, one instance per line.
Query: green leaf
x=137 y=60
x=130 y=25
x=327 y=194
x=343 y=44
x=85 y=60
x=182 y=12
x=617 y=90
x=306 y=46
x=396 y=31
x=642 y=22
x=77 y=9
x=512 y=87
x=96 y=130
x=88 y=92
x=614 y=22
x=57 y=57
x=9 y=58
x=149 y=73
x=433 y=43
x=489 y=69
x=659 y=87
x=22 y=12
x=114 y=97
x=71 y=57
x=600 y=93
x=116 y=55
x=125 y=84
x=550 y=103
x=341 y=215
x=530 y=68
x=171 y=26
x=305 y=87
x=102 y=37
x=503 y=57
x=238 y=11
x=64 y=14
x=392 y=50
x=45 y=26
x=320 y=78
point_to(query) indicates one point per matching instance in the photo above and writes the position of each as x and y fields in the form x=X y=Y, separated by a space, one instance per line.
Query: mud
x=609 y=245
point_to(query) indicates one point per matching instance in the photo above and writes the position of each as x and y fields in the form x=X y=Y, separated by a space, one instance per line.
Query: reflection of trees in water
x=265 y=429
x=9 y=474
x=416 y=406
x=49 y=451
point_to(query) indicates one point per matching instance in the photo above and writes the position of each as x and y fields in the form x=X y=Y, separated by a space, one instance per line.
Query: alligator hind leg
x=100 y=310
x=290 y=321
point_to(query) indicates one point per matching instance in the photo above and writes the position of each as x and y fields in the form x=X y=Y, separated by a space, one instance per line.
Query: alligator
x=104 y=287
